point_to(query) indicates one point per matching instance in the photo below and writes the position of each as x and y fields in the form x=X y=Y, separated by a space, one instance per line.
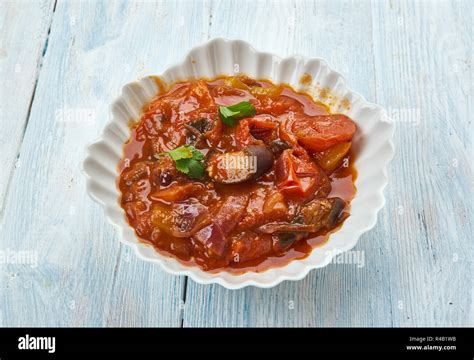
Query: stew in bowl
x=236 y=174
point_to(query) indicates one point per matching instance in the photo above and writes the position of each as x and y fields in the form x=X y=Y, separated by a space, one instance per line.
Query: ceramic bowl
x=372 y=145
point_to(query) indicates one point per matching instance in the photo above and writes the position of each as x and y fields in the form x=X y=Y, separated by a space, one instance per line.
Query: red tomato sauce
x=286 y=185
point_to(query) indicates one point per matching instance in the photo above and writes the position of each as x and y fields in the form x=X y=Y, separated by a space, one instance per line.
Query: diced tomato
x=300 y=177
x=285 y=176
x=200 y=92
x=318 y=133
x=263 y=126
x=286 y=133
x=259 y=127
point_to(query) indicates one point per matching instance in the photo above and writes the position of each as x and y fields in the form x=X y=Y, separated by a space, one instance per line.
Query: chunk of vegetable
x=264 y=205
x=249 y=246
x=286 y=234
x=285 y=227
x=214 y=236
x=312 y=217
x=200 y=92
x=251 y=130
x=278 y=146
x=177 y=192
x=270 y=92
x=317 y=133
x=196 y=130
x=180 y=219
x=202 y=125
x=236 y=82
x=275 y=206
x=239 y=166
x=284 y=240
x=331 y=158
x=300 y=177
x=323 y=213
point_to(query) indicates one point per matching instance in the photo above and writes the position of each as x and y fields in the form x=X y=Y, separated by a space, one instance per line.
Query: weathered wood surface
x=412 y=57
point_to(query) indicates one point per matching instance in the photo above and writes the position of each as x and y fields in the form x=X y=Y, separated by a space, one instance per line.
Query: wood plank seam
x=374 y=65
x=183 y=297
x=39 y=65
x=114 y=278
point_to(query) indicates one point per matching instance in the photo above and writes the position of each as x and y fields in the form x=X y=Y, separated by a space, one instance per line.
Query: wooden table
x=63 y=62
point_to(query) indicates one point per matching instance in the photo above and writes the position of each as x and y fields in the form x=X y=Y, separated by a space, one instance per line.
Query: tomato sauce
x=291 y=187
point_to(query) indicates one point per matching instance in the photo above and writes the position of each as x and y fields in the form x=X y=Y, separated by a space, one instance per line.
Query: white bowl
x=372 y=144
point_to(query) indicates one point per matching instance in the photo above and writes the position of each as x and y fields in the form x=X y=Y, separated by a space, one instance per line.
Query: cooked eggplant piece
x=202 y=125
x=324 y=213
x=278 y=146
x=264 y=158
x=197 y=128
x=193 y=135
x=283 y=241
x=285 y=227
x=239 y=166
x=296 y=231
x=312 y=217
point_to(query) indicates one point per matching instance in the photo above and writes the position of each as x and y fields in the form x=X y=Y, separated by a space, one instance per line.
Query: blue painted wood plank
x=423 y=64
x=23 y=32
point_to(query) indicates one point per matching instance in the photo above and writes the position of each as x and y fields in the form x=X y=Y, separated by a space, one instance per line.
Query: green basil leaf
x=182 y=165
x=197 y=155
x=196 y=169
x=230 y=115
x=182 y=152
x=188 y=160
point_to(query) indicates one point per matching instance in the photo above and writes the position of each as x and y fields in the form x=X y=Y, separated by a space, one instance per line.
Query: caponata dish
x=237 y=174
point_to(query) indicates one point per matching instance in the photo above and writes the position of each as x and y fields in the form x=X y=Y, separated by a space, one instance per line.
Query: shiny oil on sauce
x=147 y=139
